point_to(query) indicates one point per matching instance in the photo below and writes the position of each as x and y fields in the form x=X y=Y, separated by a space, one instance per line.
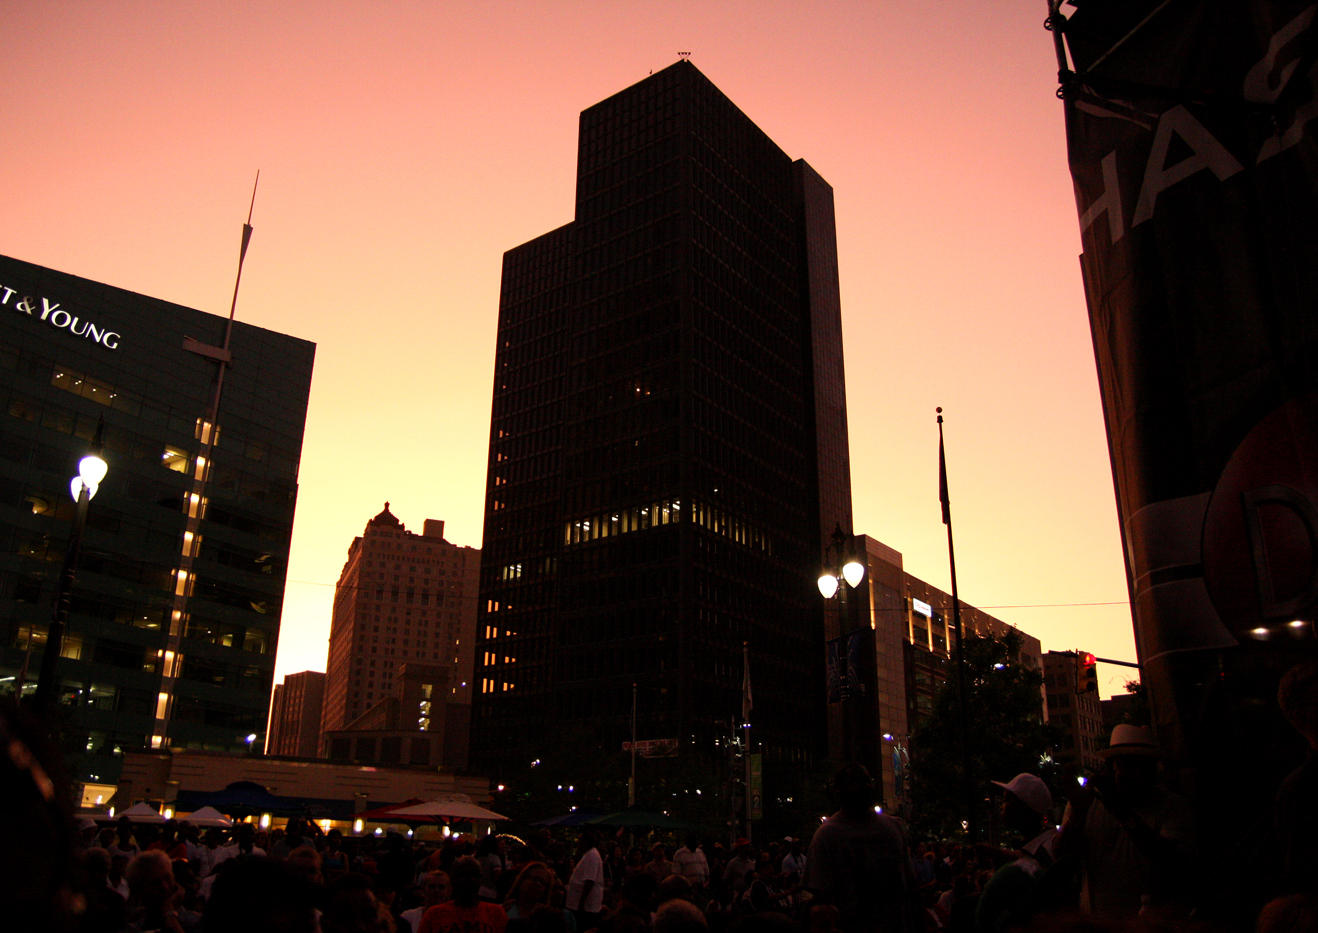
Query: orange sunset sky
x=403 y=146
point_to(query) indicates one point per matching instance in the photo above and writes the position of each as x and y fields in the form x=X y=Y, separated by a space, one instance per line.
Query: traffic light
x=1086 y=680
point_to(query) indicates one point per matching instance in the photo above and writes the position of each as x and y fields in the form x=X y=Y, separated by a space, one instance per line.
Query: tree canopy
x=1006 y=735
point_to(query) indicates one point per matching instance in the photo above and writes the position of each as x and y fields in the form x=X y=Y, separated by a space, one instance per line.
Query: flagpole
x=746 y=706
x=631 y=781
x=967 y=778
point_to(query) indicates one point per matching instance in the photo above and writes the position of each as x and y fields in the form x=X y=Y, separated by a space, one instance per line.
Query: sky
x=404 y=146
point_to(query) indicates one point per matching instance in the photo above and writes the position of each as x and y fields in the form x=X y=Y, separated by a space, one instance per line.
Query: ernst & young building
x=175 y=608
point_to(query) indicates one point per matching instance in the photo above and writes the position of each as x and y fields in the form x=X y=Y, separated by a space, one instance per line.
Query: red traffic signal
x=1086 y=675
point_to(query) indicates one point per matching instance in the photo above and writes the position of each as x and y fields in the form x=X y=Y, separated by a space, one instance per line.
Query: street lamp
x=850 y=682
x=840 y=565
x=91 y=471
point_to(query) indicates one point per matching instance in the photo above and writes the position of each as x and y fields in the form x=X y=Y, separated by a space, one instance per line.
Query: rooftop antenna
x=683 y=54
x=195 y=503
x=242 y=252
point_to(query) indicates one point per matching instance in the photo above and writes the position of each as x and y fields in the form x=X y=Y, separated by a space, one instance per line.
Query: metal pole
x=47 y=687
x=748 y=779
x=631 y=781
x=746 y=728
x=963 y=727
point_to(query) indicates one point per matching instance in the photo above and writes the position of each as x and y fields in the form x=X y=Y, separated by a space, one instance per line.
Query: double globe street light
x=851 y=571
x=91 y=471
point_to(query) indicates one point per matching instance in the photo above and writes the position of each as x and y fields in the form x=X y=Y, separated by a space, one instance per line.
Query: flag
x=942 y=477
x=746 y=704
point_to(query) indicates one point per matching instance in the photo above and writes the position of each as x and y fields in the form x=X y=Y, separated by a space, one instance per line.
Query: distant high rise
x=295 y=715
x=402 y=597
x=668 y=443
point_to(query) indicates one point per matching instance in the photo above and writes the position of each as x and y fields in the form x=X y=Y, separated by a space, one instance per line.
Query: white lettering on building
x=57 y=317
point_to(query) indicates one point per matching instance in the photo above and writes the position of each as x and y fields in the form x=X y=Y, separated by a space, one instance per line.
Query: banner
x=1191 y=141
x=1190 y=136
x=849 y=666
x=756 y=788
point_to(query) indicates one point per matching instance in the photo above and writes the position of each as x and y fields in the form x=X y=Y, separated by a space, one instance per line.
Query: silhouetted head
x=351 y=907
x=151 y=880
x=36 y=835
x=466 y=877
x=679 y=916
x=853 y=787
x=672 y=888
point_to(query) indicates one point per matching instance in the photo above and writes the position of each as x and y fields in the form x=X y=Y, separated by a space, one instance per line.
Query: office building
x=909 y=625
x=295 y=715
x=175 y=608
x=668 y=445
x=401 y=598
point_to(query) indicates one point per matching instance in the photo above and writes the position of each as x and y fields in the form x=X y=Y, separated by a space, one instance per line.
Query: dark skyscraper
x=668 y=444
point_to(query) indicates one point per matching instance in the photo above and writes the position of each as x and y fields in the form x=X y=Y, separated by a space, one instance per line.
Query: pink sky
x=404 y=146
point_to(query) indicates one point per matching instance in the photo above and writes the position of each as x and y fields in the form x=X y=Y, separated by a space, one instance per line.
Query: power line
x=1119 y=602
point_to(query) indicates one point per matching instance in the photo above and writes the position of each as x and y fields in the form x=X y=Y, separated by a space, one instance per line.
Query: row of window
x=624 y=521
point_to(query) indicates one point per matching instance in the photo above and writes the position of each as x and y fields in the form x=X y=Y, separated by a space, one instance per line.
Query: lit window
x=174 y=458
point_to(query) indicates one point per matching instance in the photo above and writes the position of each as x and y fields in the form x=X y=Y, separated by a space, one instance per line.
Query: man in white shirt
x=690 y=862
x=585 y=888
x=794 y=861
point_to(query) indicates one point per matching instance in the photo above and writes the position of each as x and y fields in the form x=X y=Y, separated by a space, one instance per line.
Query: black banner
x=1191 y=137
x=1190 y=133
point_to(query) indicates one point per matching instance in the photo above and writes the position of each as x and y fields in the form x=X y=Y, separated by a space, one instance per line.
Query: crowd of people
x=1120 y=853
x=1111 y=866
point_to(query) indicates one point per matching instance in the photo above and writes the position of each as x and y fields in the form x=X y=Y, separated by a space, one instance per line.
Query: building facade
x=295 y=715
x=913 y=635
x=175 y=607
x=401 y=598
x=668 y=438
x=1075 y=709
x=419 y=724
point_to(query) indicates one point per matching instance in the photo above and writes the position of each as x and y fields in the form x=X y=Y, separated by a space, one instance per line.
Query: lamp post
x=841 y=565
x=91 y=471
x=850 y=664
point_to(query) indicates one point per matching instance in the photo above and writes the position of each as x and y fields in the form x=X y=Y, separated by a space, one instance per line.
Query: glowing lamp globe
x=91 y=470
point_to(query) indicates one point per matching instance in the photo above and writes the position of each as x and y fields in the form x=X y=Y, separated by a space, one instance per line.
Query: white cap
x=1030 y=790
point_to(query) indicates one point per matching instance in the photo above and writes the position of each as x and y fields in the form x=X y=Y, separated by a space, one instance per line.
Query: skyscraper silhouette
x=668 y=444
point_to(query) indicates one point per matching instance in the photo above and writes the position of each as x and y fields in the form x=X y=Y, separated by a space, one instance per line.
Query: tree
x=1006 y=735
x=1135 y=710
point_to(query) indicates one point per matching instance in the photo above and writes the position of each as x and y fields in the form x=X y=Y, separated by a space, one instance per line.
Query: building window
x=174 y=458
